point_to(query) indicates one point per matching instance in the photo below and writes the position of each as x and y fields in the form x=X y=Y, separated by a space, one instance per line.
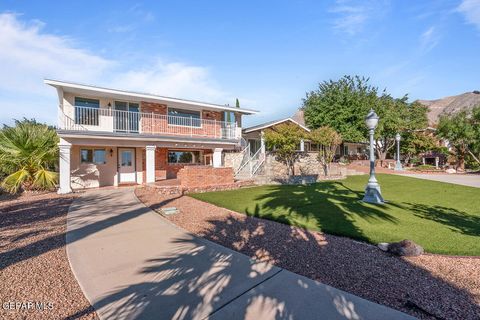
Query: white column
x=302 y=145
x=65 y=148
x=150 y=163
x=217 y=157
x=262 y=141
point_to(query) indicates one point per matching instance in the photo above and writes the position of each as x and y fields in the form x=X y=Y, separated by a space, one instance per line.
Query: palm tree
x=28 y=156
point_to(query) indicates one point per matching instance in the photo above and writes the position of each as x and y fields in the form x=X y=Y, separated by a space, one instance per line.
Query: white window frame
x=189 y=109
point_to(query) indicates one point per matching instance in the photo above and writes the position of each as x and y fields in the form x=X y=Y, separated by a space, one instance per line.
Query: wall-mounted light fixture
x=111 y=152
x=109 y=104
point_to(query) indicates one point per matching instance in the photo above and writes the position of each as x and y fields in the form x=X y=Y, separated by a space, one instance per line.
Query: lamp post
x=372 y=190
x=398 y=164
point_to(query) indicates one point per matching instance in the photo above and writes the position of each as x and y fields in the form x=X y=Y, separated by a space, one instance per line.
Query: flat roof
x=80 y=88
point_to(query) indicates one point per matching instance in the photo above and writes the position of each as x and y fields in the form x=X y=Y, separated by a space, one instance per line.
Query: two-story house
x=110 y=137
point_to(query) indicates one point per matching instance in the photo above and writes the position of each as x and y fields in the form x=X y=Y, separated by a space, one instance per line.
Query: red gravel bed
x=428 y=287
x=34 y=267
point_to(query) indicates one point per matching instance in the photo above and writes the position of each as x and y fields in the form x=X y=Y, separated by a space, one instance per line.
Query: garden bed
x=34 y=267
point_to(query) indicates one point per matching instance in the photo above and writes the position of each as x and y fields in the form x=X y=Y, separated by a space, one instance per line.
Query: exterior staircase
x=250 y=165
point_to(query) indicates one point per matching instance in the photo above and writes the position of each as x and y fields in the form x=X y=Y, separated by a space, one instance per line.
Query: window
x=182 y=117
x=96 y=156
x=126 y=158
x=184 y=157
x=86 y=111
x=126 y=121
x=229 y=116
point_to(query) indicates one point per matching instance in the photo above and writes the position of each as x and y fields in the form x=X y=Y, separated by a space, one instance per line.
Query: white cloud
x=29 y=54
x=471 y=10
x=429 y=39
x=173 y=79
x=353 y=16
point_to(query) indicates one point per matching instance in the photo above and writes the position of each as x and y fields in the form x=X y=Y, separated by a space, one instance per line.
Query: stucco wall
x=90 y=175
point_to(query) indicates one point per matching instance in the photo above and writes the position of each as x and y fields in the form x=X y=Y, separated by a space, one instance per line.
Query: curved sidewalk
x=133 y=264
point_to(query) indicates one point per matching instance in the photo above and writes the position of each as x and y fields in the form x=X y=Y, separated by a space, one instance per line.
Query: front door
x=126 y=165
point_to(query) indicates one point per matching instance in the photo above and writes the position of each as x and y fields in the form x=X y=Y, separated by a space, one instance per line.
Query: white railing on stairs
x=245 y=158
x=251 y=165
x=259 y=163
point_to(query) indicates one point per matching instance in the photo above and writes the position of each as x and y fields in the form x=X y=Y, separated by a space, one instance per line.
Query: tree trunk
x=381 y=156
x=461 y=163
x=473 y=156
x=326 y=169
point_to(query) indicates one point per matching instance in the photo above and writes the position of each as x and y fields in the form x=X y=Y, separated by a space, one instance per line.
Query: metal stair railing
x=245 y=159
x=258 y=162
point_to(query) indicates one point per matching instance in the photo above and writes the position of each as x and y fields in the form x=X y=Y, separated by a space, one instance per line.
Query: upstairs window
x=86 y=111
x=182 y=117
x=127 y=116
x=228 y=116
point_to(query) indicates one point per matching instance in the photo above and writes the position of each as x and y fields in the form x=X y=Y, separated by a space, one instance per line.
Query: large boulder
x=406 y=248
x=451 y=171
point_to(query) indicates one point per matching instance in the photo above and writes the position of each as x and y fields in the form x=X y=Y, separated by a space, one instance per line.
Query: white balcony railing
x=110 y=120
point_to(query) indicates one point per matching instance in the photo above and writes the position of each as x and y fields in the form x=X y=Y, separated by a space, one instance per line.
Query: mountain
x=450 y=105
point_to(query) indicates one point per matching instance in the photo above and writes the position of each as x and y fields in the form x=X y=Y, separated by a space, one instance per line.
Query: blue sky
x=267 y=54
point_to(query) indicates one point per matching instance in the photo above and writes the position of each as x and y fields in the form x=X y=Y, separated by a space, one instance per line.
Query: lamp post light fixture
x=398 y=164
x=372 y=190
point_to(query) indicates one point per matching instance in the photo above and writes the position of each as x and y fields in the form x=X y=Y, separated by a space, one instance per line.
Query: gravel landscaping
x=34 y=269
x=429 y=286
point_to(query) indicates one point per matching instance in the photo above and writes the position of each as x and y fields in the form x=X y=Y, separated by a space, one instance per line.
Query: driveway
x=133 y=264
x=471 y=180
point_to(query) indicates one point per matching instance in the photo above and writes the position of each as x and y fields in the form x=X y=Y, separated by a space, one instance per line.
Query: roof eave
x=139 y=95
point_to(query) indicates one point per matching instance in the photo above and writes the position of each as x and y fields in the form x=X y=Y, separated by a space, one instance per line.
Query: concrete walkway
x=470 y=180
x=133 y=264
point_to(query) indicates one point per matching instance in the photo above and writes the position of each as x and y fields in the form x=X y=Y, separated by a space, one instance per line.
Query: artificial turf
x=443 y=218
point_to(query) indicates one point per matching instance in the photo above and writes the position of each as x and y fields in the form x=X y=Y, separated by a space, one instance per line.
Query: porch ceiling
x=138 y=140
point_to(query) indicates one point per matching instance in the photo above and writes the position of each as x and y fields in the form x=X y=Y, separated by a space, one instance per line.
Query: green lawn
x=443 y=218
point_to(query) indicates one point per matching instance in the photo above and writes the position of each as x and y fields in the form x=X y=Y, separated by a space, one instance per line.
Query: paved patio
x=133 y=264
x=471 y=180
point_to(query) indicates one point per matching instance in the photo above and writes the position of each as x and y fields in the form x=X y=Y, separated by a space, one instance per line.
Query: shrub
x=28 y=156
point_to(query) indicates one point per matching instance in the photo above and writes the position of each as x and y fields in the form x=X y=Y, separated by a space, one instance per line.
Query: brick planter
x=204 y=176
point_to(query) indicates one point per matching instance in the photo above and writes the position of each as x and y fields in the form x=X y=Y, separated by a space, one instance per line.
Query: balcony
x=117 y=121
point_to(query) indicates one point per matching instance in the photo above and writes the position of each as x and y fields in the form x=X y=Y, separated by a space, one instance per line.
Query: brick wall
x=210 y=128
x=164 y=170
x=204 y=176
x=158 y=124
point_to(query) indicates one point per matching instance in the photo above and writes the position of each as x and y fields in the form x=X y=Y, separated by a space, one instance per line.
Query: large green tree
x=396 y=116
x=461 y=130
x=285 y=139
x=28 y=156
x=414 y=143
x=343 y=105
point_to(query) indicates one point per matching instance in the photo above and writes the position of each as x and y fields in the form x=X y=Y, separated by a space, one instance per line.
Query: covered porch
x=92 y=163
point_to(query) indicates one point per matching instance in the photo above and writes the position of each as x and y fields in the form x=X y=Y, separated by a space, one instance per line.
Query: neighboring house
x=110 y=137
x=254 y=137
